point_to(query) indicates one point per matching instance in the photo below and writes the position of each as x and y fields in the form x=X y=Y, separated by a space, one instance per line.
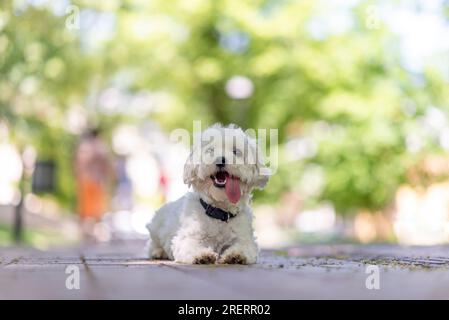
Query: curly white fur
x=181 y=231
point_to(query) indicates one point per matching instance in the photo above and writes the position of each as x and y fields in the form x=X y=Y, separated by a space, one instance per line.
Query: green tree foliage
x=344 y=90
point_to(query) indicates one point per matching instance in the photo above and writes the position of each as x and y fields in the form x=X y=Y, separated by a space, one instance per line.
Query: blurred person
x=290 y=206
x=94 y=173
x=164 y=180
x=123 y=197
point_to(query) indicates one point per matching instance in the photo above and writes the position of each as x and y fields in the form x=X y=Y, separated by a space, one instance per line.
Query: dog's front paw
x=239 y=254
x=233 y=258
x=205 y=258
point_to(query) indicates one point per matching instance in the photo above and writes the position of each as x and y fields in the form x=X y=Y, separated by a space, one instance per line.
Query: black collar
x=216 y=213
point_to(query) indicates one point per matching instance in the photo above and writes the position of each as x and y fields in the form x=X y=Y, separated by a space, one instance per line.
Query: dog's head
x=225 y=164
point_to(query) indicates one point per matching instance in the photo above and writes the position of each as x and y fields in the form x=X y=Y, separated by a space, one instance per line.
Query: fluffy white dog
x=213 y=224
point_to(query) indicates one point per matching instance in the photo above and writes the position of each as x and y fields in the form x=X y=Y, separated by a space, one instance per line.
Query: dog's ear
x=190 y=169
x=262 y=176
x=261 y=172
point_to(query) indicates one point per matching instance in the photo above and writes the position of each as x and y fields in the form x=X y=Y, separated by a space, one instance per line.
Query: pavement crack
x=93 y=290
x=13 y=261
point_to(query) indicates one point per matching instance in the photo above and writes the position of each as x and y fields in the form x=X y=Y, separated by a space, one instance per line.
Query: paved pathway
x=121 y=271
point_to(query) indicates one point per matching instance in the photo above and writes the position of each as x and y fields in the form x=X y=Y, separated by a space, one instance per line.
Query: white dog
x=213 y=224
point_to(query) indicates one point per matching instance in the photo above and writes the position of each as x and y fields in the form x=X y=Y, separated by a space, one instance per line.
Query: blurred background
x=91 y=90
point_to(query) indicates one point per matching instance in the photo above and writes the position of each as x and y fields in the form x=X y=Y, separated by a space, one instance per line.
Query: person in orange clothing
x=93 y=174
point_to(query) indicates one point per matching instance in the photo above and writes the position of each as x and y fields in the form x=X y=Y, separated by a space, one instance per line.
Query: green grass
x=5 y=235
x=38 y=238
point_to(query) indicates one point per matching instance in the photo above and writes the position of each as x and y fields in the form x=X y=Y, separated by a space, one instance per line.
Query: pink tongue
x=232 y=189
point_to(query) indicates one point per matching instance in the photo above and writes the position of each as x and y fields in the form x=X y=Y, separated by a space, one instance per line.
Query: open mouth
x=222 y=179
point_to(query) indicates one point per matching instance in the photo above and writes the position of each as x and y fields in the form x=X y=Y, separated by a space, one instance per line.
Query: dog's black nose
x=220 y=162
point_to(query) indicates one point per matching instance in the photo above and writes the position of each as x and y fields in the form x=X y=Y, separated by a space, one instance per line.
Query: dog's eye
x=237 y=152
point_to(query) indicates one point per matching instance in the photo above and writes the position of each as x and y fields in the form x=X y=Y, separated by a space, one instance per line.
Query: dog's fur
x=181 y=230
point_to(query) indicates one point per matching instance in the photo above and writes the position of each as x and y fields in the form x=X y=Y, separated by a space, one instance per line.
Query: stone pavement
x=121 y=271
